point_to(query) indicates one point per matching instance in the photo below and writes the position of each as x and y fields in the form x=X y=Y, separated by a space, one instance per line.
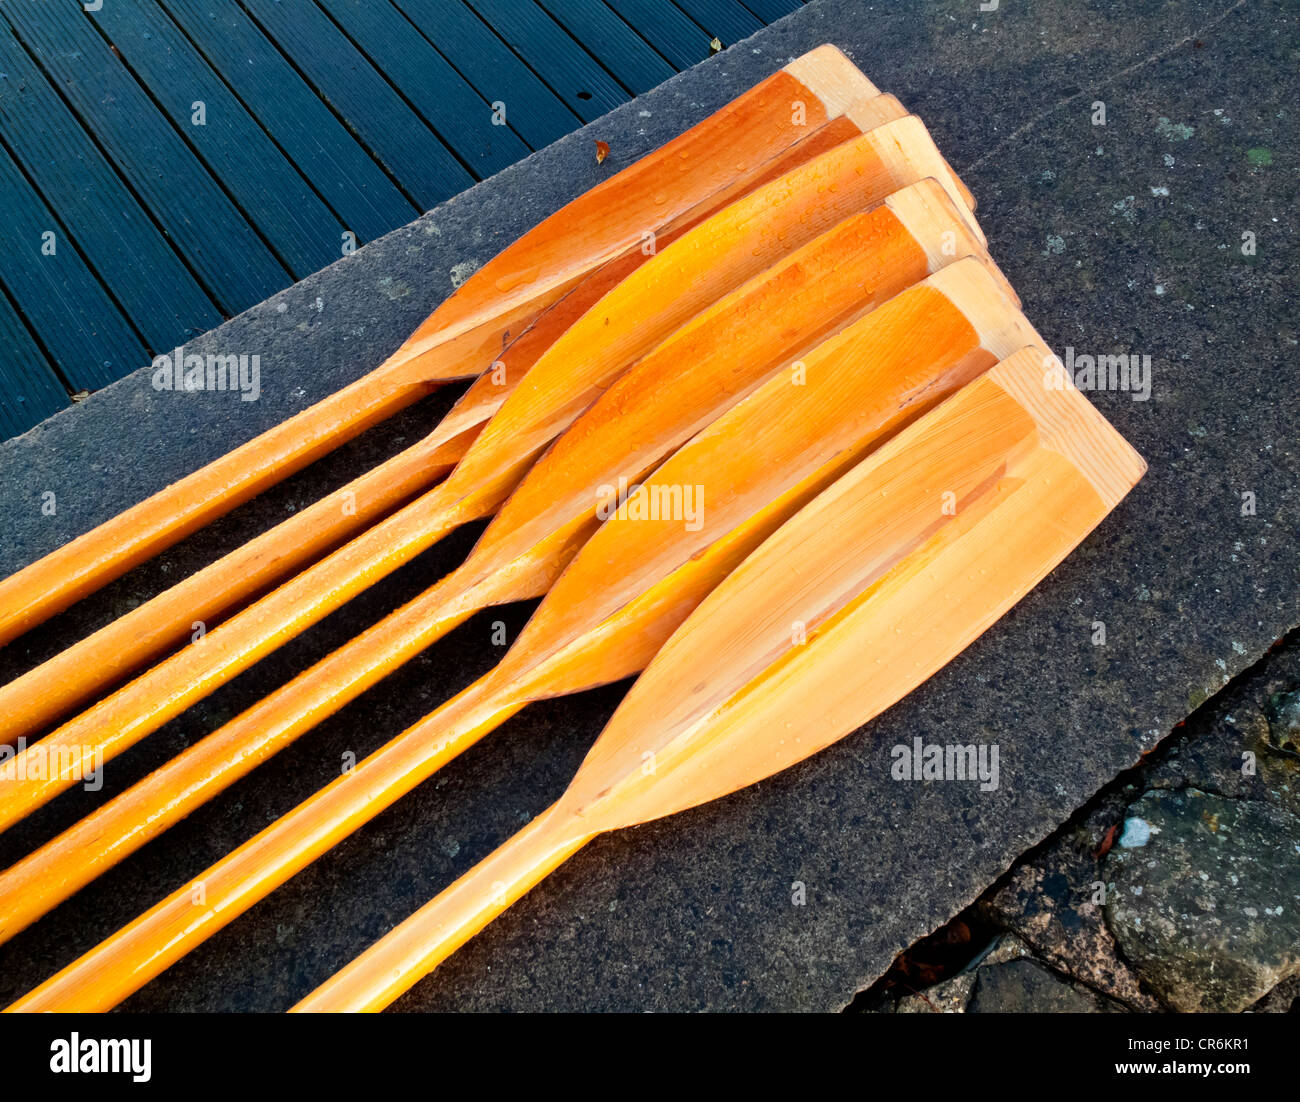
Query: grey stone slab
x=696 y=912
x=1051 y=901
x=1204 y=903
x=1026 y=987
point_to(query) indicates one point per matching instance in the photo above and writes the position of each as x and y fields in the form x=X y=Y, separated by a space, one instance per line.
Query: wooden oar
x=465 y=333
x=660 y=296
x=626 y=591
x=850 y=606
x=45 y=694
x=761 y=327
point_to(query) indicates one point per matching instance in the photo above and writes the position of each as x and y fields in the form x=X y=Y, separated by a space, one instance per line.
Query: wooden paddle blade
x=614 y=216
x=508 y=367
x=607 y=614
x=732 y=347
x=722 y=252
x=855 y=601
x=864 y=594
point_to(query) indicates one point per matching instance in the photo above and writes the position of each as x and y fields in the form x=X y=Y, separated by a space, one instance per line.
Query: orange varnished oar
x=861 y=597
x=465 y=333
x=657 y=298
x=759 y=328
x=630 y=586
x=45 y=694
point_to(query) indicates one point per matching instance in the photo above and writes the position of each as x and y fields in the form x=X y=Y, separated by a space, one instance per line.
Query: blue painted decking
x=165 y=164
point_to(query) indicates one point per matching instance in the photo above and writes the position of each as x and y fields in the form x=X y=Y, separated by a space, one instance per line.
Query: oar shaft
x=46 y=877
x=90 y=561
x=45 y=694
x=129 y=959
x=413 y=949
x=75 y=750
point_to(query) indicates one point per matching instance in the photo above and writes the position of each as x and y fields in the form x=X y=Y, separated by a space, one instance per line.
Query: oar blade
x=732 y=347
x=605 y=221
x=731 y=246
x=849 y=395
x=864 y=594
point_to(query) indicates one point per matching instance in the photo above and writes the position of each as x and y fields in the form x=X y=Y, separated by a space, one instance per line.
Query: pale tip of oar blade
x=909 y=153
x=875 y=111
x=1022 y=512
x=828 y=73
x=926 y=211
x=1069 y=423
x=884 y=108
x=980 y=291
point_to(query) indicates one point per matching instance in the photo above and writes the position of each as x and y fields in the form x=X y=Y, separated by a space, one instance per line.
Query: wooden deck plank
x=621 y=50
x=666 y=27
x=394 y=133
x=109 y=227
x=727 y=19
x=346 y=176
x=457 y=113
x=533 y=111
x=236 y=267
x=30 y=391
x=574 y=75
x=85 y=332
x=270 y=191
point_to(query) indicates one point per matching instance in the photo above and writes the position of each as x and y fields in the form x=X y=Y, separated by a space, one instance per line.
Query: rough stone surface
x=1005 y=978
x=1283 y=999
x=1051 y=900
x=1208 y=910
x=1026 y=987
x=949 y=997
x=695 y=912
x=1284 y=721
x=1229 y=746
